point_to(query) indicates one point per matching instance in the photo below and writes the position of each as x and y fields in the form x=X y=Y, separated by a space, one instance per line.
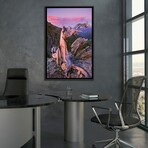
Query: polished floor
x=52 y=134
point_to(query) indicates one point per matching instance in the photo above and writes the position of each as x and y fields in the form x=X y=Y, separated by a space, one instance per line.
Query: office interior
x=22 y=45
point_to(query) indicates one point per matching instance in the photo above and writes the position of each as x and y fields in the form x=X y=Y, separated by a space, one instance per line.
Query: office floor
x=52 y=134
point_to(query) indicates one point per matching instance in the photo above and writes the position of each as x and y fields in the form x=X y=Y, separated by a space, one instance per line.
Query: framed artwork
x=69 y=43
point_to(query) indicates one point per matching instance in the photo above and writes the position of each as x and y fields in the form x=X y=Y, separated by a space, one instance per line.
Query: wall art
x=69 y=43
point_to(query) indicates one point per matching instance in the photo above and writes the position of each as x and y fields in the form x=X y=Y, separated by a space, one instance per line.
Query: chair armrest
x=117 y=104
x=96 y=114
x=105 y=108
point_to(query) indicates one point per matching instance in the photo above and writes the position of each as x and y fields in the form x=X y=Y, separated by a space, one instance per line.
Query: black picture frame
x=69 y=42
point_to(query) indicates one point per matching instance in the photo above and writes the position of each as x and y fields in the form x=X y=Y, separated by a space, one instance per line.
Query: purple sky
x=69 y=16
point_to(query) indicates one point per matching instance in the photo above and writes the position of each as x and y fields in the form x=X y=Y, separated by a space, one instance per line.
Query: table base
x=74 y=121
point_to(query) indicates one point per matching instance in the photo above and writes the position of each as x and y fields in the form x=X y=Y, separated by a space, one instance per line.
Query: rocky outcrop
x=78 y=45
x=53 y=70
x=53 y=37
x=79 y=52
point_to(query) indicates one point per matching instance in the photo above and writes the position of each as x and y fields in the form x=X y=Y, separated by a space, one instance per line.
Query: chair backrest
x=130 y=96
x=16 y=82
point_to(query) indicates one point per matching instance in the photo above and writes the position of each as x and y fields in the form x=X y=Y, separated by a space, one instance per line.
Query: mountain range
x=85 y=33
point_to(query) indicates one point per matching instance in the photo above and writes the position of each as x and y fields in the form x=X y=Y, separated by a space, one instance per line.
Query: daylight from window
x=137 y=42
x=138 y=34
x=135 y=34
x=137 y=7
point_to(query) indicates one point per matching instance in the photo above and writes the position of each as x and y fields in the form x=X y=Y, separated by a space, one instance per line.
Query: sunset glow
x=69 y=16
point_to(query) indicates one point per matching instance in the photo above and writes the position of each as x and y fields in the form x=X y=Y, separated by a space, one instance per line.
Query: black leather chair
x=16 y=82
x=127 y=115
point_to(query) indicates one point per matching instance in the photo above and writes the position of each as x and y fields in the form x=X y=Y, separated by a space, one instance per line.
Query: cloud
x=52 y=19
x=64 y=20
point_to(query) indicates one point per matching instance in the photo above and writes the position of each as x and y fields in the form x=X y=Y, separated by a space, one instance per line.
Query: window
x=135 y=34
x=134 y=7
x=135 y=52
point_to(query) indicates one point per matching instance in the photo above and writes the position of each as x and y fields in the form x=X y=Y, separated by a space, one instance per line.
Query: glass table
x=74 y=115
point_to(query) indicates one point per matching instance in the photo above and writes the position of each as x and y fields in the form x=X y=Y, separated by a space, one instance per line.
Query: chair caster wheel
x=93 y=146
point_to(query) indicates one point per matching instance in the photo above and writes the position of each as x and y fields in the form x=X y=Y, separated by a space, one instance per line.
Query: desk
x=30 y=101
x=74 y=116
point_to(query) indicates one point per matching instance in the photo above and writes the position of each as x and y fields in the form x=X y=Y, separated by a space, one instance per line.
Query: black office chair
x=127 y=115
x=16 y=82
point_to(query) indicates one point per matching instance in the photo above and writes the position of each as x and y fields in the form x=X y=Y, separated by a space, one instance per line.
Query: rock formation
x=79 y=53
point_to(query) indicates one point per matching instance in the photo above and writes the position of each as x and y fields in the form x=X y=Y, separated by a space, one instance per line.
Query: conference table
x=29 y=101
